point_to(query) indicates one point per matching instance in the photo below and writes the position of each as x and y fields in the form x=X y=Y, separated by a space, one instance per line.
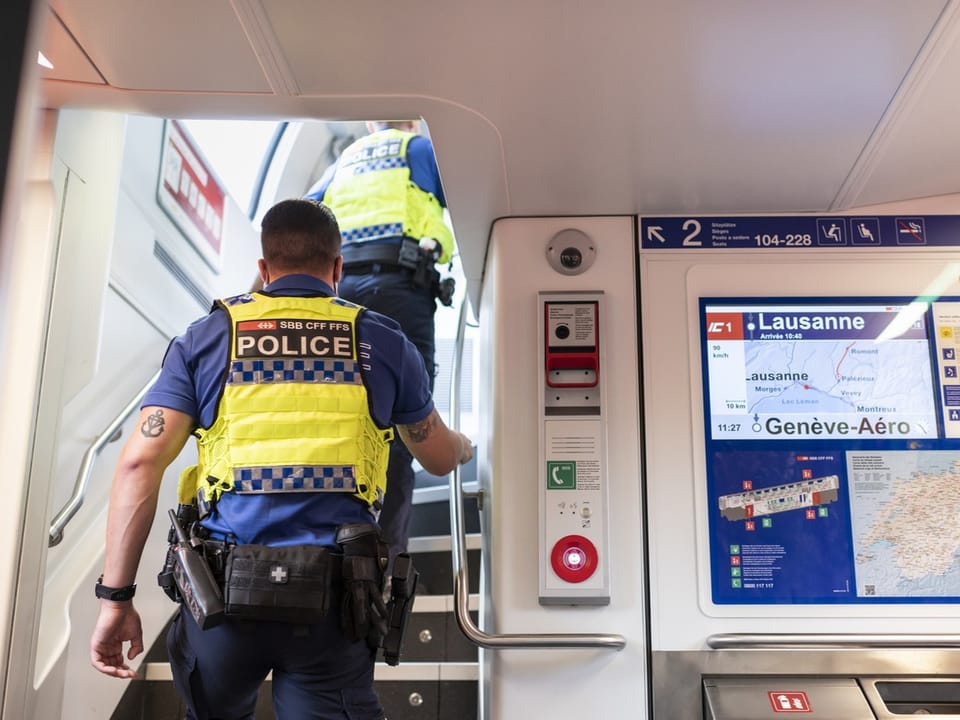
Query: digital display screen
x=819 y=371
x=832 y=439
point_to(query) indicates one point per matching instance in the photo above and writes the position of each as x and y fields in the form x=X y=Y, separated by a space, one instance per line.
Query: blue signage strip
x=798 y=231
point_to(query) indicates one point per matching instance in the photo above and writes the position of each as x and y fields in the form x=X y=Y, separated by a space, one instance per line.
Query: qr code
x=869 y=589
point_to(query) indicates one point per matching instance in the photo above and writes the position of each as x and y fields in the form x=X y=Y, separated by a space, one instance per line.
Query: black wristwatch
x=110 y=593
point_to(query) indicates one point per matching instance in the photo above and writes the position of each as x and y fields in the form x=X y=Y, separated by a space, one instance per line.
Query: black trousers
x=317 y=673
x=394 y=295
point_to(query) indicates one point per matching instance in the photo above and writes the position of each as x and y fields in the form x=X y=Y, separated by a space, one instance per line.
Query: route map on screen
x=819 y=371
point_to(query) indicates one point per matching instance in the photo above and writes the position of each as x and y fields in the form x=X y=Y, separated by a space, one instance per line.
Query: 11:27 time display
x=728 y=427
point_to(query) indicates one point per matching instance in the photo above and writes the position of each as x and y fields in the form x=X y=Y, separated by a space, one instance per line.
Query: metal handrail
x=70 y=509
x=461 y=589
x=789 y=641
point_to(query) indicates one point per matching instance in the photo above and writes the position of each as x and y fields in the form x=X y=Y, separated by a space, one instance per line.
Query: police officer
x=385 y=191
x=291 y=394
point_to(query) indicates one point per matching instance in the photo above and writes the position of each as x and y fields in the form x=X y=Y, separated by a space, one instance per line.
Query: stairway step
x=436 y=680
x=409 y=691
x=431 y=514
x=441 y=543
x=433 y=634
x=431 y=557
x=405 y=671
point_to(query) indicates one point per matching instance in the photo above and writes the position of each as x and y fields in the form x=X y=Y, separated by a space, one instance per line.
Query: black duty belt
x=374 y=269
x=217 y=552
x=359 y=258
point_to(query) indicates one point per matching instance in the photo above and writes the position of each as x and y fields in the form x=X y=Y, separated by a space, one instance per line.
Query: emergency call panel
x=574 y=550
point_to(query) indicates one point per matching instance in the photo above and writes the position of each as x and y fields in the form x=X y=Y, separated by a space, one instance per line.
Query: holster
x=444 y=289
x=403 y=590
x=165 y=578
x=186 y=576
x=186 y=516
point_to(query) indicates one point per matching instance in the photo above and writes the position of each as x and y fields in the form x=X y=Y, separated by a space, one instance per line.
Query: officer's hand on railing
x=466 y=452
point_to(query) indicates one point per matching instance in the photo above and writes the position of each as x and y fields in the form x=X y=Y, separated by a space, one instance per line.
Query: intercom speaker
x=571 y=252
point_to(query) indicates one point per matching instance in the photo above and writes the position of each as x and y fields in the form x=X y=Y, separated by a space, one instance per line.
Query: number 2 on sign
x=694 y=227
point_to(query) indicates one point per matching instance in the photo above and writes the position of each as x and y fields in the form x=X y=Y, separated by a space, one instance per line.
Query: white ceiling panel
x=916 y=152
x=624 y=106
x=68 y=59
x=562 y=107
x=180 y=45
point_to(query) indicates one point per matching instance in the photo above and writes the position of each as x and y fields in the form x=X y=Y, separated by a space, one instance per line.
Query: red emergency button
x=574 y=558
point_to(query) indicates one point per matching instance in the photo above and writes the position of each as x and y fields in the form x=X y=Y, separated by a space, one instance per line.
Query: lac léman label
x=789 y=702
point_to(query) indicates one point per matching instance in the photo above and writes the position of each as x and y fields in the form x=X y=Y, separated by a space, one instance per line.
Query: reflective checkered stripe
x=374 y=165
x=244 y=372
x=369 y=190
x=294 y=479
x=238 y=299
x=293 y=414
x=373 y=232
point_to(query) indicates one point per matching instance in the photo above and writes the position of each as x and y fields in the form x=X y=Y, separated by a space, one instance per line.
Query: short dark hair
x=300 y=235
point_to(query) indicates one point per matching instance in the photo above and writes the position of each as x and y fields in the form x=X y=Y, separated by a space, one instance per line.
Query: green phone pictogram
x=561 y=475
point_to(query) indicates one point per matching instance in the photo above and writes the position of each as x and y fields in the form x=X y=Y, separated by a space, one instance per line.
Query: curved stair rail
x=72 y=505
x=461 y=589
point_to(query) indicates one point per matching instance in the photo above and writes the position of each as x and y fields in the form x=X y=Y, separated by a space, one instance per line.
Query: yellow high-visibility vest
x=373 y=198
x=293 y=414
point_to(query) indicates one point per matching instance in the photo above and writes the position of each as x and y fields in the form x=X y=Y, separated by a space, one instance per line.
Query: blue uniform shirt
x=191 y=379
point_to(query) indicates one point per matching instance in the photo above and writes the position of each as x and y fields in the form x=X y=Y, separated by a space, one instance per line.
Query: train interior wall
x=683 y=613
x=124 y=281
x=116 y=280
x=558 y=682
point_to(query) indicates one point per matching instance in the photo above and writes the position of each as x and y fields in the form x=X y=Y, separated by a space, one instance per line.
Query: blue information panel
x=832 y=430
x=799 y=231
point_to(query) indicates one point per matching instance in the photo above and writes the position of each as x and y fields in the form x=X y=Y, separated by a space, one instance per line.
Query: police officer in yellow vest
x=386 y=193
x=293 y=424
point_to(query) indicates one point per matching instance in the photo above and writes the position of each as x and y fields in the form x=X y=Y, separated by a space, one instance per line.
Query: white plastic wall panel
x=142 y=224
x=558 y=683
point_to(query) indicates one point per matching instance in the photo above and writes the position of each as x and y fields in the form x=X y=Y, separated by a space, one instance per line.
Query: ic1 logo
x=724 y=325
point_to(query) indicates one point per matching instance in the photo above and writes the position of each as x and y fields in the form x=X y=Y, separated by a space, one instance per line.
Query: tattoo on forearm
x=153 y=426
x=420 y=431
